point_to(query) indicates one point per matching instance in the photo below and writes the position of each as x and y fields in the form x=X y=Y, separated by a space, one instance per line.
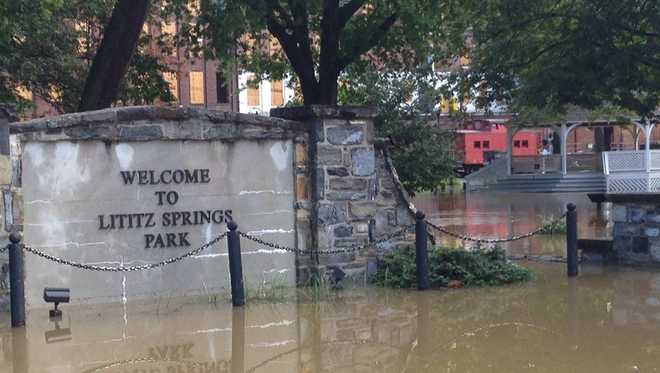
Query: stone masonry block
x=619 y=214
x=345 y=135
x=328 y=155
x=626 y=230
x=363 y=161
x=348 y=183
x=331 y=213
x=636 y=214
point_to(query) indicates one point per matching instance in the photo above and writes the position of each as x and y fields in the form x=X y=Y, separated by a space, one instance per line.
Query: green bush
x=448 y=267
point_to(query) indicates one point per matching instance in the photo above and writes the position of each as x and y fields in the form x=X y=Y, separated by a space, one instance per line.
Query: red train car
x=478 y=140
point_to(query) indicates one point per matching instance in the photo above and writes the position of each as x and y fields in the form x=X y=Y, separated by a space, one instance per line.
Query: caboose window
x=516 y=143
x=477 y=144
x=486 y=144
x=525 y=144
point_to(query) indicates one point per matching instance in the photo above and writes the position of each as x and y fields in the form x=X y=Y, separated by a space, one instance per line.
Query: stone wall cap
x=324 y=111
x=128 y=115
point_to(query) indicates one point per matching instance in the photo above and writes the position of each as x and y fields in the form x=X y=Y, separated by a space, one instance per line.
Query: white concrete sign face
x=133 y=203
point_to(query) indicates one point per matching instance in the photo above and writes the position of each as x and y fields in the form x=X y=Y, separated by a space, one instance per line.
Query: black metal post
x=571 y=240
x=235 y=265
x=16 y=284
x=421 y=252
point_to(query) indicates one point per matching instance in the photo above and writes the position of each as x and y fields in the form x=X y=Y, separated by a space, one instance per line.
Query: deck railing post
x=571 y=240
x=421 y=252
x=16 y=283
x=235 y=265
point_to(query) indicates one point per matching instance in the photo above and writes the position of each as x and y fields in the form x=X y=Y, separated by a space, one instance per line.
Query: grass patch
x=552 y=226
x=451 y=268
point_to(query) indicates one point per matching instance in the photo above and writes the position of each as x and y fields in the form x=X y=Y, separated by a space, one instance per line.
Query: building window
x=252 y=93
x=221 y=87
x=172 y=81
x=486 y=144
x=525 y=144
x=24 y=93
x=276 y=93
x=168 y=28
x=196 y=88
x=477 y=144
x=516 y=143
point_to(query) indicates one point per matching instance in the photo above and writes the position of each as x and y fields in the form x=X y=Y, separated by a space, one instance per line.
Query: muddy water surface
x=607 y=320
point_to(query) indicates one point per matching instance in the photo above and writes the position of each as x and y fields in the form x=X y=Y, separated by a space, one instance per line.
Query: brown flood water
x=607 y=320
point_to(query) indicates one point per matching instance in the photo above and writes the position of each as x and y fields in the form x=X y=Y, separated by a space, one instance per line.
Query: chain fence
x=479 y=240
x=134 y=268
x=343 y=250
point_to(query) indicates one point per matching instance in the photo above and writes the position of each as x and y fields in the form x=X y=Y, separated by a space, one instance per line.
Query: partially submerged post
x=421 y=252
x=235 y=265
x=571 y=241
x=17 y=292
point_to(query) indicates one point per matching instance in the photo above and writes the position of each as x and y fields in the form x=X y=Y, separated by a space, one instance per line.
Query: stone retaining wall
x=636 y=233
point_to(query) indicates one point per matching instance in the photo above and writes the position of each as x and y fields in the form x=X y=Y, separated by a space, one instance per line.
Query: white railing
x=623 y=161
x=626 y=172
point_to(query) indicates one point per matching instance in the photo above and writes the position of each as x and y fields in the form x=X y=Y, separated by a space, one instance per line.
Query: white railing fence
x=626 y=172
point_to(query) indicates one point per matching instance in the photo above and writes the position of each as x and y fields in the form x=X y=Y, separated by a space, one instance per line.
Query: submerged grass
x=451 y=268
x=552 y=226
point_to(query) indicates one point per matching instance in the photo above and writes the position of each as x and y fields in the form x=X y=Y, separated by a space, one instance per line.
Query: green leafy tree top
x=318 y=39
x=547 y=54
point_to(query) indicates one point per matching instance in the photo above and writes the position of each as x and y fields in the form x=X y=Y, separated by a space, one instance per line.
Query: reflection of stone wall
x=636 y=233
x=357 y=198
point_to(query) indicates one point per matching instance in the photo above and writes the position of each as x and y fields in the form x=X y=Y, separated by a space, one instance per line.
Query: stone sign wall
x=136 y=185
x=129 y=186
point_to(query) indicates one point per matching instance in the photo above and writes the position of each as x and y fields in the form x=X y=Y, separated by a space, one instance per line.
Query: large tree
x=47 y=47
x=120 y=39
x=319 y=39
x=547 y=54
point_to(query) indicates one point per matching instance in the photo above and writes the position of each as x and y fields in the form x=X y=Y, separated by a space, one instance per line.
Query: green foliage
x=547 y=54
x=46 y=46
x=448 y=266
x=552 y=226
x=420 y=150
x=319 y=38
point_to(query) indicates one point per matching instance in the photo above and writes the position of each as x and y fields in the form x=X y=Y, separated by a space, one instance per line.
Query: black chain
x=464 y=237
x=344 y=250
x=121 y=268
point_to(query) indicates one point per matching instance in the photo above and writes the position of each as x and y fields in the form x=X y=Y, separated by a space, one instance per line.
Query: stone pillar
x=354 y=194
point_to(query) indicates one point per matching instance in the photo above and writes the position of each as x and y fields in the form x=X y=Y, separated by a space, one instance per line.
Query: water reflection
x=497 y=214
x=604 y=321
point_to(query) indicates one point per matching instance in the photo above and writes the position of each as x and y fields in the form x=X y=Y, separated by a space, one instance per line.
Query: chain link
x=464 y=237
x=3 y=249
x=344 y=250
x=92 y=267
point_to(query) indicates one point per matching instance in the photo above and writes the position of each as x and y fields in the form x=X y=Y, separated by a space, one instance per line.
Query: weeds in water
x=451 y=268
x=552 y=226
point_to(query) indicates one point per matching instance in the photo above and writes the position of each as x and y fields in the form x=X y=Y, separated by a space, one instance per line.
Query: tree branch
x=368 y=42
x=347 y=11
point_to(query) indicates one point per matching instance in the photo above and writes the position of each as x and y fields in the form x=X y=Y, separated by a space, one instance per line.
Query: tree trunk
x=120 y=39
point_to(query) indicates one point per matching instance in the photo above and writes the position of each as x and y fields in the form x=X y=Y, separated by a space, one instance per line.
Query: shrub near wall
x=448 y=267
